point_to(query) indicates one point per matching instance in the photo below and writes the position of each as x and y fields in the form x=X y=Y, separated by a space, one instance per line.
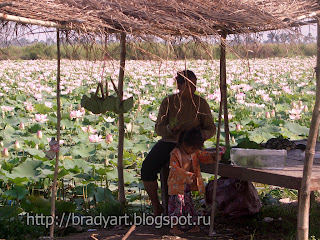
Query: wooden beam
x=23 y=20
x=304 y=195
x=56 y=167
x=122 y=198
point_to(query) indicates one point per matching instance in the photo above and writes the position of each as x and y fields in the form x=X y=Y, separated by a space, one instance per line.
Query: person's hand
x=175 y=129
x=193 y=178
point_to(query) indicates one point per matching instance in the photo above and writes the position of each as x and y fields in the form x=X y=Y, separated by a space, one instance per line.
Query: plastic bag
x=234 y=197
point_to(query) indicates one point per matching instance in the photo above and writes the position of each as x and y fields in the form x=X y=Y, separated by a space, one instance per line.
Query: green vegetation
x=156 y=51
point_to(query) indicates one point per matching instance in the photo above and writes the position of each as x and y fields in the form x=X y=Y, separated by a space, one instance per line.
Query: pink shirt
x=179 y=176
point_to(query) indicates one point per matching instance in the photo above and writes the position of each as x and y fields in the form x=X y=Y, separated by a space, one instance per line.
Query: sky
x=41 y=36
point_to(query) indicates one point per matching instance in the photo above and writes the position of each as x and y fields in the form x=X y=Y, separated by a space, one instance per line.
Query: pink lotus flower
x=39 y=134
x=16 y=145
x=238 y=128
x=38 y=96
x=84 y=129
x=273 y=113
x=60 y=142
x=305 y=108
x=76 y=114
x=109 y=139
x=211 y=97
x=95 y=138
x=109 y=119
x=91 y=129
x=48 y=104
x=21 y=126
x=7 y=108
x=152 y=117
x=294 y=117
x=5 y=152
x=41 y=118
x=268 y=115
x=28 y=106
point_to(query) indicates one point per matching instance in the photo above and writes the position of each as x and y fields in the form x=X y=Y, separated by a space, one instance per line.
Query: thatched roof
x=164 y=17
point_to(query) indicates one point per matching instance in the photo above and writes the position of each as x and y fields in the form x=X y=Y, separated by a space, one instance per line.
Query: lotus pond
x=267 y=98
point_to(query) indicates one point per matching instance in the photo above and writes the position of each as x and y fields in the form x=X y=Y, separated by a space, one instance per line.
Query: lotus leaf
x=27 y=169
x=18 y=192
x=83 y=151
x=11 y=121
x=21 y=98
x=37 y=205
x=7 y=212
x=297 y=129
x=43 y=109
x=65 y=207
x=129 y=175
x=103 y=195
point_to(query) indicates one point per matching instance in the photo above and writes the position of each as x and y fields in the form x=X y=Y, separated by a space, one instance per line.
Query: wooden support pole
x=122 y=197
x=56 y=167
x=223 y=86
x=224 y=105
x=216 y=168
x=304 y=197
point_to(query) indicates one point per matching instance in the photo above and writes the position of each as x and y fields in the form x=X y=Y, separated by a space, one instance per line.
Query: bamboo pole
x=224 y=105
x=223 y=86
x=216 y=168
x=56 y=167
x=122 y=198
x=304 y=195
x=6 y=17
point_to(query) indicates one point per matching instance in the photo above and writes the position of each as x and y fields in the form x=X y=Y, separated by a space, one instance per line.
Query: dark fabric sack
x=234 y=197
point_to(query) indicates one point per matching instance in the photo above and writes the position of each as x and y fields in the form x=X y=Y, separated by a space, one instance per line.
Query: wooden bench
x=289 y=177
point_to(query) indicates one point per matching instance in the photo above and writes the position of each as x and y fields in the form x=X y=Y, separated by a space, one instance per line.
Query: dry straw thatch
x=164 y=17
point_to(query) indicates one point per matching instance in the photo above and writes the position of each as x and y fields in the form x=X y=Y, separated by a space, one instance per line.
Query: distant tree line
x=146 y=50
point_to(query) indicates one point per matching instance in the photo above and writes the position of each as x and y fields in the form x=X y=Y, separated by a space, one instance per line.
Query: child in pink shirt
x=185 y=175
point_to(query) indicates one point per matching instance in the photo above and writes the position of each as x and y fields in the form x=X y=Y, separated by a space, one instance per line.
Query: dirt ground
x=139 y=233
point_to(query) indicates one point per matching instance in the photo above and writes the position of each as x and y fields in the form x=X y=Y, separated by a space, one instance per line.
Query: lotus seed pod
x=5 y=152
x=39 y=134
x=21 y=126
x=16 y=145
